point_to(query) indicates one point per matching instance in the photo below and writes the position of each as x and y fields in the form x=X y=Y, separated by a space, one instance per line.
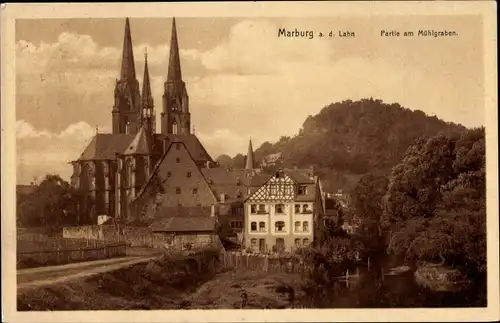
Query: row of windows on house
x=279 y=226
x=189 y=174
x=279 y=209
x=280 y=243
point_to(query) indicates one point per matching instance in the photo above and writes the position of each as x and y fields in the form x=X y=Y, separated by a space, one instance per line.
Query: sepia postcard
x=252 y=161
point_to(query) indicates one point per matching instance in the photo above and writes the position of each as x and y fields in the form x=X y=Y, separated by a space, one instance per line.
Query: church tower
x=126 y=113
x=175 y=118
x=249 y=164
x=148 y=116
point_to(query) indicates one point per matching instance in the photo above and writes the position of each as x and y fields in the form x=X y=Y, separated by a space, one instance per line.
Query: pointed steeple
x=148 y=114
x=249 y=163
x=128 y=64
x=147 y=97
x=174 y=63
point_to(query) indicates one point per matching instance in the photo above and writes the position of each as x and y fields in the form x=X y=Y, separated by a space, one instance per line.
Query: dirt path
x=36 y=277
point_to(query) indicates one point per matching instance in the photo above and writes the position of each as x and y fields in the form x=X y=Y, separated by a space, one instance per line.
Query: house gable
x=177 y=181
x=280 y=187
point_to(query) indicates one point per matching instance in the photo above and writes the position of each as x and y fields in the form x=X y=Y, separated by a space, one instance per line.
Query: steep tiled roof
x=300 y=176
x=139 y=145
x=192 y=143
x=225 y=181
x=183 y=219
x=105 y=146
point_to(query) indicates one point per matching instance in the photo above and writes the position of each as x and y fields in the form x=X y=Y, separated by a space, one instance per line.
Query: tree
x=224 y=160
x=435 y=203
x=54 y=203
x=368 y=207
x=239 y=161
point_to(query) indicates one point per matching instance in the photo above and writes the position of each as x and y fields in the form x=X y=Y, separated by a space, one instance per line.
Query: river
x=374 y=288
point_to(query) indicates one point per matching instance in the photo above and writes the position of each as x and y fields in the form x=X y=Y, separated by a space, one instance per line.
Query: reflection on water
x=374 y=288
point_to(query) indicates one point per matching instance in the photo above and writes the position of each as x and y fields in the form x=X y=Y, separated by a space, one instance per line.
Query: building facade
x=135 y=174
x=115 y=166
x=285 y=213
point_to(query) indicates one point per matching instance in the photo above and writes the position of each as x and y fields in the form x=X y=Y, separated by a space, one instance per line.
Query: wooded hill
x=347 y=139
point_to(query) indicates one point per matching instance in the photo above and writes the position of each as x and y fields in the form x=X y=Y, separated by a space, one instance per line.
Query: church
x=137 y=174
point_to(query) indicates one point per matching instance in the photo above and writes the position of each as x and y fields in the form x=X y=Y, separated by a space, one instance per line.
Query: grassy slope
x=136 y=288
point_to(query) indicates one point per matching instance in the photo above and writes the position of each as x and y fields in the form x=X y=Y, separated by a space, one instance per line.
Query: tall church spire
x=128 y=64
x=126 y=112
x=174 y=63
x=148 y=113
x=249 y=163
x=146 y=85
x=175 y=117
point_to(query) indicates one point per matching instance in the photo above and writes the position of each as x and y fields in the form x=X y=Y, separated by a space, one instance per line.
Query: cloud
x=40 y=152
x=73 y=79
x=282 y=81
x=225 y=141
x=251 y=84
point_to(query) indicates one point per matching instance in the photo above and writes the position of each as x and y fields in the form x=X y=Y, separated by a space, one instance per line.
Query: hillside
x=347 y=139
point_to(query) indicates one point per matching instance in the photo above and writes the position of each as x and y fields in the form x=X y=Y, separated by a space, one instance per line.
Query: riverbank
x=136 y=288
x=157 y=286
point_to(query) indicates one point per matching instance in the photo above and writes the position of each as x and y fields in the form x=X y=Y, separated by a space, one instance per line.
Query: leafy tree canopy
x=435 y=203
x=53 y=203
x=348 y=139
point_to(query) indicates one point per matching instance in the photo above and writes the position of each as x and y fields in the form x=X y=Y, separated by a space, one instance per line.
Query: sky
x=242 y=79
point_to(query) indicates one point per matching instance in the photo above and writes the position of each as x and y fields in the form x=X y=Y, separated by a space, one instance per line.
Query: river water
x=374 y=288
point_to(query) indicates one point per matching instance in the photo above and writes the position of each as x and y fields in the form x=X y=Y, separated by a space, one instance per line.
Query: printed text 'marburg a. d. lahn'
x=296 y=33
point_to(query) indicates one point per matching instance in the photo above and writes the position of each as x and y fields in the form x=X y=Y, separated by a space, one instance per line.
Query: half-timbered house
x=284 y=213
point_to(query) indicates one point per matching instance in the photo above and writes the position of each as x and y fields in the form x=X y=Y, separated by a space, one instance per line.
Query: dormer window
x=238 y=181
x=177 y=160
x=302 y=190
x=188 y=174
x=238 y=194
